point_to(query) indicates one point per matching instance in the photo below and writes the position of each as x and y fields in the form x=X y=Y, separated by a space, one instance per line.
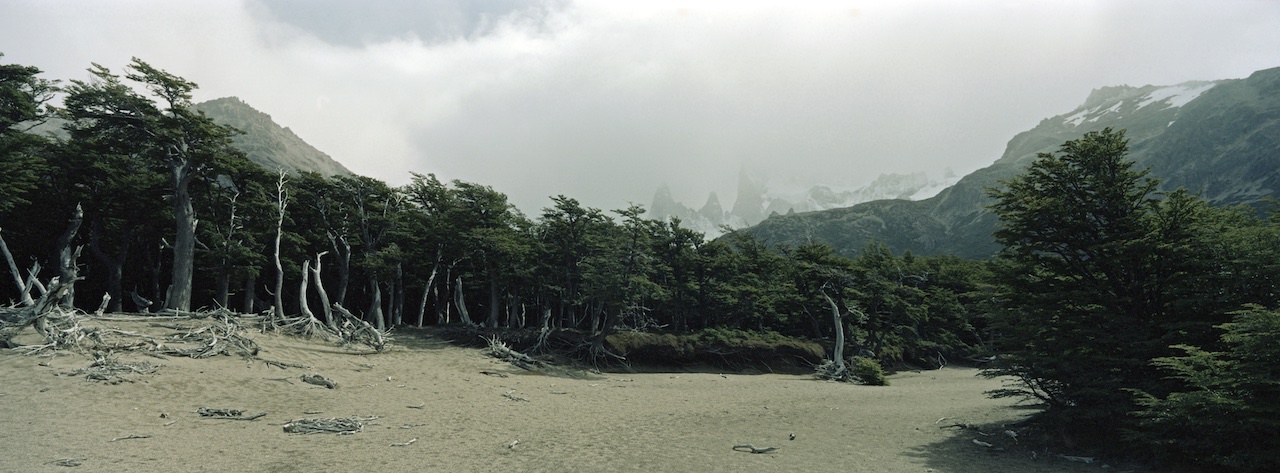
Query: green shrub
x=869 y=371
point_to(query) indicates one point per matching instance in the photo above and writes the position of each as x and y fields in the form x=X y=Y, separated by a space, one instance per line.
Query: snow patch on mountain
x=1177 y=95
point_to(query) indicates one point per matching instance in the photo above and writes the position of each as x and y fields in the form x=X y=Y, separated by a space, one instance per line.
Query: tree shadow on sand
x=980 y=448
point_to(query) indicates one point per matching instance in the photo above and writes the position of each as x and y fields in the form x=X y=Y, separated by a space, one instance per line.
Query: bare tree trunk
x=114 y=263
x=462 y=305
x=25 y=294
x=324 y=296
x=426 y=290
x=494 y=307
x=184 y=242
x=250 y=293
x=223 y=292
x=303 y=308
x=839 y=326
x=397 y=300
x=282 y=201
x=342 y=249
x=375 y=307
x=67 y=271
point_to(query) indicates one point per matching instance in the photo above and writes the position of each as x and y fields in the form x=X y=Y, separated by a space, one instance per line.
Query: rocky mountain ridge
x=756 y=201
x=1219 y=138
x=266 y=142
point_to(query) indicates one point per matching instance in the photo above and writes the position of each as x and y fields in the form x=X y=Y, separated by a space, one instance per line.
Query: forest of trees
x=1139 y=319
x=173 y=217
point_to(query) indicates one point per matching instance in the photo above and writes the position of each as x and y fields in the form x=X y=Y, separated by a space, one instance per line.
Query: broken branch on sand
x=748 y=448
x=405 y=444
x=501 y=351
x=142 y=436
x=338 y=425
x=319 y=381
x=232 y=414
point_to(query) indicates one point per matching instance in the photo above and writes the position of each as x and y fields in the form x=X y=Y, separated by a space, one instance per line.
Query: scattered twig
x=283 y=365
x=142 y=436
x=405 y=444
x=67 y=462
x=513 y=397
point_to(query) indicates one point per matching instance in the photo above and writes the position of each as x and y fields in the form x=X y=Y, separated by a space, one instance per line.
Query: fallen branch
x=319 y=381
x=748 y=448
x=405 y=444
x=342 y=426
x=232 y=414
x=142 y=436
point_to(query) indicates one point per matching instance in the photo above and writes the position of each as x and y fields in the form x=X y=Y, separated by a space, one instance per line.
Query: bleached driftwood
x=748 y=448
x=333 y=425
x=319 y=381
x=231 y=414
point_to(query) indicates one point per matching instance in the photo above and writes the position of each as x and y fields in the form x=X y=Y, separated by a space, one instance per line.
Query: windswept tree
x=23 y=103
x=168 y=131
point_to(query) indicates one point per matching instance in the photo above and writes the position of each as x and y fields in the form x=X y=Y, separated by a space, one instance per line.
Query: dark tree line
x=1140 y=319
x=176 y=218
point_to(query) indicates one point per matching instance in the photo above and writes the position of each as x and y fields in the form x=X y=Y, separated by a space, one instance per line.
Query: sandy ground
x=463 y=420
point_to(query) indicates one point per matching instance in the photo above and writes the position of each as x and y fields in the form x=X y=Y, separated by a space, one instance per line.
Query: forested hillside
x=1220 y=140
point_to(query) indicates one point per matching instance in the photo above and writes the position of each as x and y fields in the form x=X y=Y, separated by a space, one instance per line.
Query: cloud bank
x=604 y=101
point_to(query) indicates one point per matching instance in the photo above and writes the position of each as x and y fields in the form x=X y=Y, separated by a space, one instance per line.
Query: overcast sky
x=606 y=100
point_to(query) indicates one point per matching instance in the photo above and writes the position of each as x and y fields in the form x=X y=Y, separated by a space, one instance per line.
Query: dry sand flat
x=464 y=420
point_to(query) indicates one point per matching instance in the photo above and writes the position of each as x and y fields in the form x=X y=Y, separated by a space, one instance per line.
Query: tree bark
x=839 y=327
x=67 y=271
x=462 y=305
x=184 y=242
x=342 y=249
x=250 y=294
x=375 y=307
x=324 y=296
x=426 y=290
x=303 y=308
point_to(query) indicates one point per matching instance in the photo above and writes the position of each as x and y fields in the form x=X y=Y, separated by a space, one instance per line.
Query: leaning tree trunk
x=839 y=326
x=17 y=276
x=324 y=296
x=375 y=307
x=426 y=290
x=184 y=241
x=462 y=304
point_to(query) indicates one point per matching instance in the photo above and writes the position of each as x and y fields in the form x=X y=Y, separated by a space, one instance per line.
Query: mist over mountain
x=266 y=142
x=1218 y=138
x=756 y=200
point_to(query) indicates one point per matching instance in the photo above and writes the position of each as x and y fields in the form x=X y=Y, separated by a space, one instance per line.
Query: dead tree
x=426 y=290
x=282 y=198
x=835 y=368
x=324 y=296
x=23 y=289
x=67 y=270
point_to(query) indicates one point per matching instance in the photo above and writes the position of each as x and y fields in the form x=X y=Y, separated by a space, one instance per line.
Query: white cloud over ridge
x=604 y=101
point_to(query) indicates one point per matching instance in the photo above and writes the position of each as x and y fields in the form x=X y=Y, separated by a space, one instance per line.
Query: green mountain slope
x=267 y=143
x=1219 y=138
